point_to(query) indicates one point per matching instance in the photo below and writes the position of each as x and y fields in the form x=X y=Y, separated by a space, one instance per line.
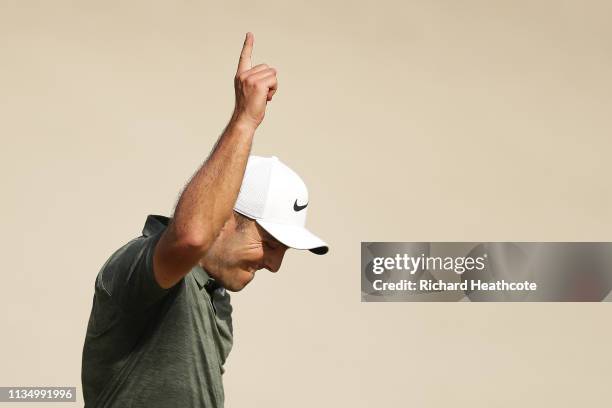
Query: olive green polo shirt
x=152 y=347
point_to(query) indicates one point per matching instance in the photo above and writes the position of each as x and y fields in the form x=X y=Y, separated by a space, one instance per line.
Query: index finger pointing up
x=245 y=56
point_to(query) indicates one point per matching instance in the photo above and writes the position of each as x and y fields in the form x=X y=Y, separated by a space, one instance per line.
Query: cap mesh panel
x=254 y=189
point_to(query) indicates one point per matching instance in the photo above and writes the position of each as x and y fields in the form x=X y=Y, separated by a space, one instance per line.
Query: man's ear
x=230 y=225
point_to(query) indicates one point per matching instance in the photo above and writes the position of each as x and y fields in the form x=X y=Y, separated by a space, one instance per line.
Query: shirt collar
x=201 y=276
x=156 y=223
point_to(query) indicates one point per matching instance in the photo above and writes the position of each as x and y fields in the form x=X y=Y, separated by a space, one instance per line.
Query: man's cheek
x=254 y=256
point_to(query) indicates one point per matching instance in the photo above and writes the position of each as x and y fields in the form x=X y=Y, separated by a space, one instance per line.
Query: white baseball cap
x=277 y=199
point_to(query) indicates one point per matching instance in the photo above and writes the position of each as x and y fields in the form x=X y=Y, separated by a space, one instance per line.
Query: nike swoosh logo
x=297 y=207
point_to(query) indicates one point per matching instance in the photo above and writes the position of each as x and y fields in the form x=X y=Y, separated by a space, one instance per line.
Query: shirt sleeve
x=127 y=277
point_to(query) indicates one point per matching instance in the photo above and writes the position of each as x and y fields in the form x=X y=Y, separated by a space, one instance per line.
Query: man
x=160 y=328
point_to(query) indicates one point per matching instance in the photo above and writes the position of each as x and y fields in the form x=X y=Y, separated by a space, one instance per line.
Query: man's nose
x=274 y=259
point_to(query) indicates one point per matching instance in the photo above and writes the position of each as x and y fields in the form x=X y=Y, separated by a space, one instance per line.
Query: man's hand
x=254 y=87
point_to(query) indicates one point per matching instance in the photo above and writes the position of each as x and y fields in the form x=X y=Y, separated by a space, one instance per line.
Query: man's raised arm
x=208 y=199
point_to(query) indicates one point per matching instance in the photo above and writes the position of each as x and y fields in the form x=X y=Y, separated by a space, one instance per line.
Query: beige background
x=489 y=119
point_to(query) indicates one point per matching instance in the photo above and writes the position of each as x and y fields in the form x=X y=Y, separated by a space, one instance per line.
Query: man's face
x=238 y=252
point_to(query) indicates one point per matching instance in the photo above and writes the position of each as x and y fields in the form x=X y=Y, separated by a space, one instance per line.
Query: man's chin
x=236 y=286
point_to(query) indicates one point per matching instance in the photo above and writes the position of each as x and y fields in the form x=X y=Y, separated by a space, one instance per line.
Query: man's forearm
x=208 y=199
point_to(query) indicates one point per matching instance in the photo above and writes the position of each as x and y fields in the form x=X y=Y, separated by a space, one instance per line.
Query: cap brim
x=295 y=237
